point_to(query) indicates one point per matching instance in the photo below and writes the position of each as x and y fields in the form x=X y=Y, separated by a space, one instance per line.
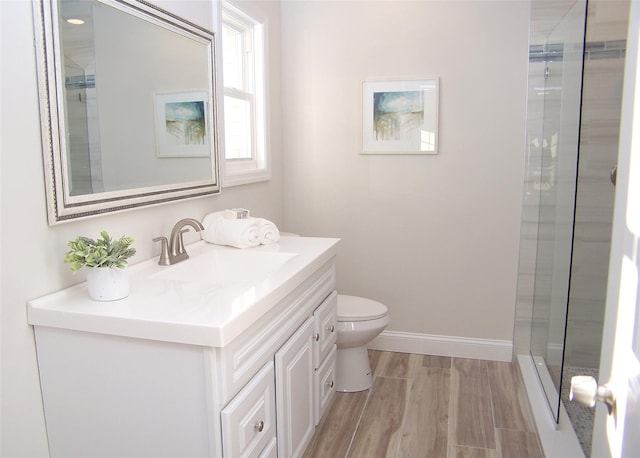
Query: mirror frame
x=62 y=207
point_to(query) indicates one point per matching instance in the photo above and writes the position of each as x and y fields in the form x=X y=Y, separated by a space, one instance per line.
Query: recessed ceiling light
x=75 y=21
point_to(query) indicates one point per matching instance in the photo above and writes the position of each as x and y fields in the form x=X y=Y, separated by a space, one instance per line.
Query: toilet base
x=353 y=372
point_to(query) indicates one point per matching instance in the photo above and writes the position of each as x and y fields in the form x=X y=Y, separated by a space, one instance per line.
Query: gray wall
x=433 y=237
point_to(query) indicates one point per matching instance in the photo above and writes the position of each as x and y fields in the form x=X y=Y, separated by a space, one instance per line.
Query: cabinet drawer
x=249 y=420
x=325 y=328
x=271 y=450
x=324 y=382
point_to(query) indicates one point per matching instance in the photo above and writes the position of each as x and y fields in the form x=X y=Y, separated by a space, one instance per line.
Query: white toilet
x=359 y=321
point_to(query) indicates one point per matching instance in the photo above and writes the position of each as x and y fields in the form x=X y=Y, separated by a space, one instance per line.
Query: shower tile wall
x=601 y=102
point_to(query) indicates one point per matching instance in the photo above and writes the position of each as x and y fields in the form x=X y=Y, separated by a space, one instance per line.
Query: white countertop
x=167 y=307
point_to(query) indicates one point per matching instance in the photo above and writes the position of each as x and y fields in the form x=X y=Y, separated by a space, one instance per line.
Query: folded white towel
x=239 y=233
x=269 y=232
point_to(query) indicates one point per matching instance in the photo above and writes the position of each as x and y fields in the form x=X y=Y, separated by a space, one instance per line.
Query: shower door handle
x=586 y=391
x=613 y=174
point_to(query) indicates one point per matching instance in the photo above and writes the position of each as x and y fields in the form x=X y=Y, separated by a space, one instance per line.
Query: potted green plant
x=107 y=260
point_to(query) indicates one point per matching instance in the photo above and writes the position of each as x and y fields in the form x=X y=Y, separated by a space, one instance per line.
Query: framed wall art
x=400 y=117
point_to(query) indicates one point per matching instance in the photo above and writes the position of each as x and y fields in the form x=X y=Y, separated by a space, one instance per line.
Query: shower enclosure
x=576 y=62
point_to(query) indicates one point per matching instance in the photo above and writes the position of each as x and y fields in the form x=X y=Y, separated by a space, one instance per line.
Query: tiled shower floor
x=581 y=417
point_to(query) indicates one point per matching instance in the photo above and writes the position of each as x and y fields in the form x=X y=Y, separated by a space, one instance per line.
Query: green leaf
x=103 y=252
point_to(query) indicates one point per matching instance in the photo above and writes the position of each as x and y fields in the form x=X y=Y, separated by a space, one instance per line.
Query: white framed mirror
x=128 y=109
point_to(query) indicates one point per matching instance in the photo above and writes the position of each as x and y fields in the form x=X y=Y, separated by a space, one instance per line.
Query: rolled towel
x=239 y=233
x=269 y=232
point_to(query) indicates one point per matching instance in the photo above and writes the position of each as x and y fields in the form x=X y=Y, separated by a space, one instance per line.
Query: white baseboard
x=428 y=344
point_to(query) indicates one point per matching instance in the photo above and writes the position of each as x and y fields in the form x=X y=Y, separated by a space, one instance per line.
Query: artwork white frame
x=182 y=124
x=400 y=116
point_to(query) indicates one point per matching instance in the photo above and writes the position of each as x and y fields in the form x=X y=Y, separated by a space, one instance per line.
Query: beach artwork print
x=397 y=115
x=185 y=122
x=182 y=125
x=400 y=117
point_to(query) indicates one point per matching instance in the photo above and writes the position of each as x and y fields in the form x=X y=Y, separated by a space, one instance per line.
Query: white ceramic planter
x=107 y=284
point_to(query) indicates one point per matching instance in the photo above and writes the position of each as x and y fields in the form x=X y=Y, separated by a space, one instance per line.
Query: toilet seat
x=353 y=308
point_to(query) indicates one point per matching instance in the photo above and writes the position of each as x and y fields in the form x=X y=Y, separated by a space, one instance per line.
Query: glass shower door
x=561 y=93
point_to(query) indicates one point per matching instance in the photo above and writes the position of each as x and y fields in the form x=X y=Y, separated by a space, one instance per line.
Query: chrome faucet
x=173 y=250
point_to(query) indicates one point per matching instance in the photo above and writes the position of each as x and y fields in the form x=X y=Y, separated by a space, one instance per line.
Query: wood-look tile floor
x=432 y=407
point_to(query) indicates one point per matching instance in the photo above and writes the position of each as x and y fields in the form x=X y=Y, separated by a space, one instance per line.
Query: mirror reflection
x=117 y=86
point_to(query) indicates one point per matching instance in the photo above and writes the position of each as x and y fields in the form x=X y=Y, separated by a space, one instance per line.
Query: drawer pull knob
x=260 y=426
x=330 y=384
x=317 y=336
x=332 y=328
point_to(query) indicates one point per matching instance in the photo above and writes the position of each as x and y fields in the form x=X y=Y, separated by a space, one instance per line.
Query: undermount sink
x=225 y=267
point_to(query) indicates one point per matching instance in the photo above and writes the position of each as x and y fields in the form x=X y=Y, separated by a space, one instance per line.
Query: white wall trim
x=428 y=344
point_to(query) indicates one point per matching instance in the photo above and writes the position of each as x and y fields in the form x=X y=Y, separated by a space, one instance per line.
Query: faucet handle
x=164 y=255
x=180 y=248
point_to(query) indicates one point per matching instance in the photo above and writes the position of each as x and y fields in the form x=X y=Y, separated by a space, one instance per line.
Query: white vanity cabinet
x=304 y=368
x=207 y=377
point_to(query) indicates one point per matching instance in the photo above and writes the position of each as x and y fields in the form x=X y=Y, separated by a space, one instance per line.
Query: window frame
x=238 y=171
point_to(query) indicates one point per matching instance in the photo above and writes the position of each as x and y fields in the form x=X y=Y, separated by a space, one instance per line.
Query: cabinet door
x=248 y=421
x=325 y=328
x=294 y=392
x=324 y=384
